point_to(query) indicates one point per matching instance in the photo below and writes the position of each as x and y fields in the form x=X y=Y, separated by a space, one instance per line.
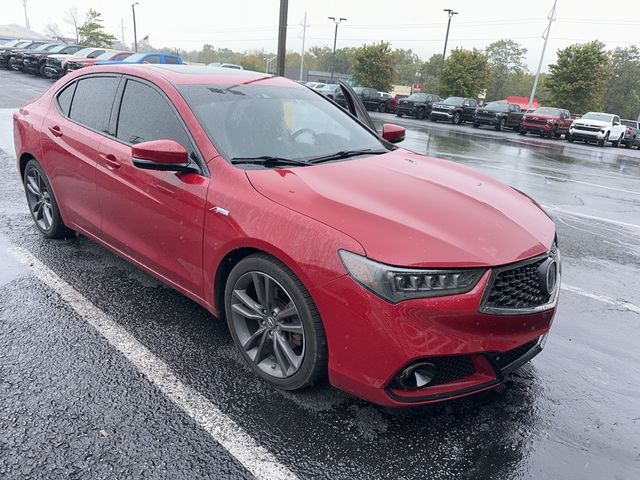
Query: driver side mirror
x=167 y=155
x=393 y=133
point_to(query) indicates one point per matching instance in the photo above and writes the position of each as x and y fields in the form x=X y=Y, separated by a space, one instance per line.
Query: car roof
x=191 y=74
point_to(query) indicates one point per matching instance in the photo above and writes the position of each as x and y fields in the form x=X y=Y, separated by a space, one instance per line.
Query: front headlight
x=396 y=284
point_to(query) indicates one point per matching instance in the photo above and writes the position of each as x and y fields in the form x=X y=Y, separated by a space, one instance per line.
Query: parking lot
x=107 y=373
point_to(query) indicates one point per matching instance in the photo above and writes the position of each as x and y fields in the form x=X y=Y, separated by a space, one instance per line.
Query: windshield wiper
x=267 y=160
x=346 y=154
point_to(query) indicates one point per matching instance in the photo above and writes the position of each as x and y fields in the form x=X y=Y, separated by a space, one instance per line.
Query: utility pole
x=135 y=33
x=282 y=37
x=304 y=36
x=26 y=18
x=335 y=39
x=450 y=13
x=545 y=35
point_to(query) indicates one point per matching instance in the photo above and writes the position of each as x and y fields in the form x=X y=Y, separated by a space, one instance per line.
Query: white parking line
x=590 y=217
x=224 y=430
x=602 y=298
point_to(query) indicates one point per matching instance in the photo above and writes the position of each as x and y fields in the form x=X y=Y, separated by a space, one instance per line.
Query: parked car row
x=549 y=122
x=53 y=60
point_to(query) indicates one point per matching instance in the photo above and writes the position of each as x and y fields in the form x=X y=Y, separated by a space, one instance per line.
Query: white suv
x=597 y=127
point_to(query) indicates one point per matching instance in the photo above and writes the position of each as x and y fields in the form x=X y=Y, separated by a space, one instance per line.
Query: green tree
x=623 y=92
x=431 y=74
x=407 y=66
x=579 y=78
x=507 y=63
x=92 y=32
x=373 y=66
x=466 y=73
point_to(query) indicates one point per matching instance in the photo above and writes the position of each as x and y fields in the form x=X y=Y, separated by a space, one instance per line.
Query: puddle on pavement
x=10 y=267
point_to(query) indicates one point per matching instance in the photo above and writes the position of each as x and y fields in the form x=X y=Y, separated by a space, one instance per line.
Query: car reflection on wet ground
x=572 y=413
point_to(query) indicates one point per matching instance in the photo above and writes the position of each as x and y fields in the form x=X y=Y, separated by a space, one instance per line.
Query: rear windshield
x=552 y=112
x=630 y=123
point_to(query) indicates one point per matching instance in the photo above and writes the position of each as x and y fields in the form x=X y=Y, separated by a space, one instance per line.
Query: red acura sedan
x=327 y=249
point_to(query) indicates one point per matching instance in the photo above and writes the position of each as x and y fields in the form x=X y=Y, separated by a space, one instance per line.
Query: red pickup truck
x=547 y=122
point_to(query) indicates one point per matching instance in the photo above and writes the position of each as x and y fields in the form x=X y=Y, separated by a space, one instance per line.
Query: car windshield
x=553 y=112
x=454 y=101
x=418 y=97
x=12 y=43
x=136 y=57
x=45 y=46
x=20 y=44
x=601 y=117
x=84 y=52
x=106 y=55
x=258 y=121
x=57 y=48
x=497 y=107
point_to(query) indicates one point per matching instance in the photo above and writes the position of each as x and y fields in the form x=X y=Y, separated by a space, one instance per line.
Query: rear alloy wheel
x=42 y=203
x=275 y=324
x=456 y=118
x=382 y=108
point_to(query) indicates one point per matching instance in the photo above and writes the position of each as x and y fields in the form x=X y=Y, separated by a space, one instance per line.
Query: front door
x=155 y=217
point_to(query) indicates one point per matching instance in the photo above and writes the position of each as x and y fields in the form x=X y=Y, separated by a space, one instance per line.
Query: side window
x=171 y=60
x=146 y=115
x=466 y=103
x=616 y=120
x=152 y=59
x=92 y=102
x=473 y=103
x=64 y=98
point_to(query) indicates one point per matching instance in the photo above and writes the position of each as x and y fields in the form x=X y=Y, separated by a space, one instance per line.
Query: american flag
x=145 y=39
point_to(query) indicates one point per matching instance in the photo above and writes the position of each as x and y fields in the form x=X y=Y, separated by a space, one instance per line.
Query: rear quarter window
x=64 y=98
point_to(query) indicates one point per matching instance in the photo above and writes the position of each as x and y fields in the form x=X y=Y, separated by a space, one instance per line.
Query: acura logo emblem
x=548 y=275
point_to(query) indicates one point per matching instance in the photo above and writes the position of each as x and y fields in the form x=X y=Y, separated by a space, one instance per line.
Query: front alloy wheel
x=274 y=323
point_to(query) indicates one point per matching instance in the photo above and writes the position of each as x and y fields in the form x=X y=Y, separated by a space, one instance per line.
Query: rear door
x=155 y=217
x=73 y=132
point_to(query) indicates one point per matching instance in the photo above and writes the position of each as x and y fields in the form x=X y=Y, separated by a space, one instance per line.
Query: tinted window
x=174 y=61
x=92 y=102
x=64 y=98
x=146 y=115
x=152 y=59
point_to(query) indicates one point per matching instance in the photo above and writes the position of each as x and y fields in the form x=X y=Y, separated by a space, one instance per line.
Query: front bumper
x=587 y=135
x=4 y=61
x=53 y=71
x=407 y=110
x=536 y=127
x=448 y=115
x=371 y=341
x=487 y=120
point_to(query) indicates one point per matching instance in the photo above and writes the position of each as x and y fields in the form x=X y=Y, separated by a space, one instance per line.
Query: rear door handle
x=55 y=130
x=111 y=161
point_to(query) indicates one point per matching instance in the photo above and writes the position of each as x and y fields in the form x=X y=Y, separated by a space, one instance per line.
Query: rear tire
x=291 y=350
x=42 y=202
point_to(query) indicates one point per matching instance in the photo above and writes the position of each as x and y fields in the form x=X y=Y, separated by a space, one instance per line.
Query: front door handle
x=55 y=130
x=111 y=161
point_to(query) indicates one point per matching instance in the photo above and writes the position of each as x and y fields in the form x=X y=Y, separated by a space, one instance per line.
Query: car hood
x=409 y=210
x=445 y=105
x=529 y=116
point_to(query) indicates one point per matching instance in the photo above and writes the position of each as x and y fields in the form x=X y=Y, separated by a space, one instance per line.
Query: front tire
x=616 y=143
x=603 y=143
x=456 y=118
x=275 y=324
x=502 y=125
x=422 y=114
x=42 y=202
x=382 y=108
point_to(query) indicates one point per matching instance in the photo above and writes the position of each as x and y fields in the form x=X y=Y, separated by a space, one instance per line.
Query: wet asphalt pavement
x=72 y=406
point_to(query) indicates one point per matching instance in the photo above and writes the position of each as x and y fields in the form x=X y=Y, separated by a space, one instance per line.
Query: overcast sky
x=419 y=25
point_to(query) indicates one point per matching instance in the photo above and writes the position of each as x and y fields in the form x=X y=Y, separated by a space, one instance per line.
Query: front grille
x=449 y=369
x=442 y=109
x=517 y=288
x=536 y=122
x=587 y=128
x=506 y=358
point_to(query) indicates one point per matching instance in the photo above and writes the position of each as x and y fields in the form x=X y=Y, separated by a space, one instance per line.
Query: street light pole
x=451 y=13
x=335 y=40
x=282 y=37
x=135 y=33
x=304 y=37
x=545 y=35
x=26 y=17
